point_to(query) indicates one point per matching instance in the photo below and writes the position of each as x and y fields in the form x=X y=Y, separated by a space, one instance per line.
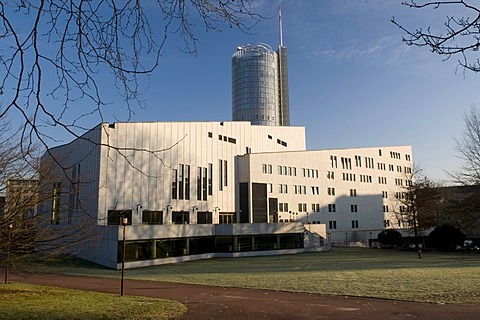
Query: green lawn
x=390 y=274
x=23 y=301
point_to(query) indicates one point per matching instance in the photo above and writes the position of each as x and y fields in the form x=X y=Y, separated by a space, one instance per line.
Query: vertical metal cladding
x=284 y=104
x=255 y=85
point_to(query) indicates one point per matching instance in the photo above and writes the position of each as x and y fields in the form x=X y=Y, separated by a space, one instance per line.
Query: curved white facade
x=255 y=84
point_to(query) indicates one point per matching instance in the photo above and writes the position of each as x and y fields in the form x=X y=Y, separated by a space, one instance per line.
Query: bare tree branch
x=460 y=37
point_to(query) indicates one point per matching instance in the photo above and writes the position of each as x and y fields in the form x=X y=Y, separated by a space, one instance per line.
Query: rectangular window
x=180 y=181
x=220 y=175
x=354 y=224
x=174 y=183
x=331 y=208
x=353 y=208
x=333 y=161
x=56 y=203
x=210 y=179
x=225 y=172
x=353 y=192
x=332 y=224
x=204 y=184
x=187 y=182
x=199 y=183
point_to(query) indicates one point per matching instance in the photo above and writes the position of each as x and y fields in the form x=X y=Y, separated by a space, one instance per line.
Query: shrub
x=390 y=237
x=446 y=237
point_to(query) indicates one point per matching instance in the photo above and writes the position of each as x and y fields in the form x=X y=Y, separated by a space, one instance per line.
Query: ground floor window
x=138 y=250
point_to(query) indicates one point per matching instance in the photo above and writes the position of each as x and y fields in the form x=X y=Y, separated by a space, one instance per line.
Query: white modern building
x=193 y=190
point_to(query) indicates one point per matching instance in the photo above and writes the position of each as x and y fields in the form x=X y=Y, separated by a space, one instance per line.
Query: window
x=384 y=194
x=346 y=163
x=331 y=175
x=354 y=224
x=382 y=180
x=332 y=224
x=386 y=223
x=204 y=182
x=174 y=183
x=385 y=208
x=369 y=163
x=269 y=169
x=210 y=179
x=331 y=208
x=210 y=135
x=353 y=192
x=180 y=181
x=187 y=182
x=331 y=191
x=199 y=183
x=353 y=208
x=152 y=217
x=225 y=172
x=333 y=161
x=56 y=203
x=114 y=217
x=358 y=161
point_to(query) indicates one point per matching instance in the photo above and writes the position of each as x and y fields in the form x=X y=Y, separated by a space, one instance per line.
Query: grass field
x=389 y=274
x=24 y=301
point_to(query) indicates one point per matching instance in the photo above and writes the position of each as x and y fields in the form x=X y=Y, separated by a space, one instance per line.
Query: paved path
x=205 y=302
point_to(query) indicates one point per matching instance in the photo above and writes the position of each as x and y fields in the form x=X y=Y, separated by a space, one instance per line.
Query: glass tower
x=255 y=85
x=260 y=84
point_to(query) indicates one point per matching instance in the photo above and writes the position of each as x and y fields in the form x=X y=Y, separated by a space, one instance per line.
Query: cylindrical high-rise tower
x=260 y=84
x=255 y=85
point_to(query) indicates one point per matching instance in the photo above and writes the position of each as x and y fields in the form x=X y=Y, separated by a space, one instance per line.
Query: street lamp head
x=10 y=226
x=124 y=221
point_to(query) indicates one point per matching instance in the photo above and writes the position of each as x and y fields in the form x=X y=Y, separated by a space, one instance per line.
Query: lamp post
x=124 y=225
x=7 y=260
x=346 y=239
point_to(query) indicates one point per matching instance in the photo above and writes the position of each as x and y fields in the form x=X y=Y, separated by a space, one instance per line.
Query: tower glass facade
x=255 y=85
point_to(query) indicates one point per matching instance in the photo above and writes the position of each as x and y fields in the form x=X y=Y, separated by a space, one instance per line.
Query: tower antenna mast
x=280 y=22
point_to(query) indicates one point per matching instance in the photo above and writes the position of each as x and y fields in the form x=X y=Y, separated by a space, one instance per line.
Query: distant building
x=21 y=200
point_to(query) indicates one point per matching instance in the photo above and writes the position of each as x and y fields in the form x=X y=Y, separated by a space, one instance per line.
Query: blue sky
x=353 y=83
